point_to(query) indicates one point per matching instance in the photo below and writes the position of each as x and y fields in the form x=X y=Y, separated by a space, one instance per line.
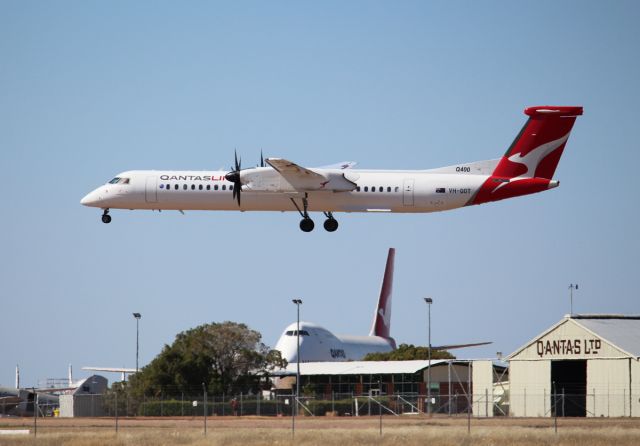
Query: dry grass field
x=397 y=431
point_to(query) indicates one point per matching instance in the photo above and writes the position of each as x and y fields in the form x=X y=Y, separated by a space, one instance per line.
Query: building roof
x=621 y=331
x=360 y=367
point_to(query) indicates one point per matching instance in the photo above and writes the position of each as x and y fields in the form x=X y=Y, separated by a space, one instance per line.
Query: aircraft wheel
x=306 y=224
x=106 y=218
x=331 y=224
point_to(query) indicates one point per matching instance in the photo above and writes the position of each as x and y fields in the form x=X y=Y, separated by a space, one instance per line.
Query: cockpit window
x=118 y=180
x=295 y=333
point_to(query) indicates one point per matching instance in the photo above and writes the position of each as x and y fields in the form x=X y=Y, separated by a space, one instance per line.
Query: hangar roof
x=621 y=331
x=361 y=367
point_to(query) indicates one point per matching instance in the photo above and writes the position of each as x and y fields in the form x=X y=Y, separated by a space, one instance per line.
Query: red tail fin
x=382 y=318
x=531 y=160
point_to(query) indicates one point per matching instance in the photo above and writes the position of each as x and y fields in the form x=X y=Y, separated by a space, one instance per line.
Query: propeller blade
x=234 y=177
x=261 y=159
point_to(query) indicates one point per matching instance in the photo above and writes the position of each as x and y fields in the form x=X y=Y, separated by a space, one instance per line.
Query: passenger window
x=388 y=188
x=366 y=188
x=184 y=187
x=208 y=187
x=161 y=186
x=215 y=187
x=381 y=189
x=397 y=188
x=200 y=187
x=224 y=187
x=231 y=187
x=373 y=189
x=358 y=188
x=176 y=187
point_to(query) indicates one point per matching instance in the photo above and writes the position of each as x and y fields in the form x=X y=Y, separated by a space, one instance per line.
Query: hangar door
x=570 y=379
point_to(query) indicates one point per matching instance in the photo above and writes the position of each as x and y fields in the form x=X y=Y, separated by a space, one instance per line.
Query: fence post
x=555 y=408
x=35 y=413
x=380 y=406
x=116 y=412
x=333 y=405
x=204 y=407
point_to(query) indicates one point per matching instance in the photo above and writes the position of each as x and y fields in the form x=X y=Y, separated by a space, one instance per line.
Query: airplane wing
x=290 y=169
x=307 y=180
x=451 y=347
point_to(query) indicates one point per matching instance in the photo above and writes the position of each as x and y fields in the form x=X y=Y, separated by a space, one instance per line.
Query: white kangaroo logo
x=533 y=158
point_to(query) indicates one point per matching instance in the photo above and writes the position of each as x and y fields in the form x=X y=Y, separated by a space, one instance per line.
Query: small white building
x=585 y=365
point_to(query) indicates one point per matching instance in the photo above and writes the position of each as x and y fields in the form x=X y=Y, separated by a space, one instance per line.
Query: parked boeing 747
x=527 y=167
x=317 y=344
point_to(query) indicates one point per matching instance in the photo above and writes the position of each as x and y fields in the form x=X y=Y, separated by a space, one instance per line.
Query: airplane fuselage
x=375 y=191
x=317 y=344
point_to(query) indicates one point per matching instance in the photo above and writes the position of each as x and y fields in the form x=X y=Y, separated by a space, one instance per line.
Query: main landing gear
x=106 y=218
x=306 y=224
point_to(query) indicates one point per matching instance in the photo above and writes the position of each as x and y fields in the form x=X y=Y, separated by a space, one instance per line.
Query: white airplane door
x=407 y=192
x=151 y=190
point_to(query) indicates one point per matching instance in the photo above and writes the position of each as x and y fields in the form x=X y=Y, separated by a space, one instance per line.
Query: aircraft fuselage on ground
x=527 y=167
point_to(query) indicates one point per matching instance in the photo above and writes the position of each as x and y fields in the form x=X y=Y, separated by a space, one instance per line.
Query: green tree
x=226 y=356
x=407 y=352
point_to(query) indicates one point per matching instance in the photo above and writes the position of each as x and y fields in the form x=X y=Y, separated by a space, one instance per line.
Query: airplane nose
x=91 y=199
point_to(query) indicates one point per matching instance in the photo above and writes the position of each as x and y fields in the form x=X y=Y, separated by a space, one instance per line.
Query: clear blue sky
x=89 y=89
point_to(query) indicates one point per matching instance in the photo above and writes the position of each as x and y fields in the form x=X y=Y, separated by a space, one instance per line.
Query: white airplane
x=317 y=344
x=526 y=168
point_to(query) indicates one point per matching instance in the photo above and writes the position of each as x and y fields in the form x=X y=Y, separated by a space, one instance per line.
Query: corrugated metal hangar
x=585 y=365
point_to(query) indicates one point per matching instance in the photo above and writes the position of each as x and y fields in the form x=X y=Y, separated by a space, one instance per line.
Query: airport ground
x=405 y=431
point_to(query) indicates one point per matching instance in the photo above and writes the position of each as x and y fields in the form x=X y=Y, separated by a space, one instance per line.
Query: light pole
x=137 y=316
x=429 y=301
x=298 y=302
x=571 y=288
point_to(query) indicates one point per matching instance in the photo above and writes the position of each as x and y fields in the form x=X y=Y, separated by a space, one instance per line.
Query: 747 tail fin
x=382 y=317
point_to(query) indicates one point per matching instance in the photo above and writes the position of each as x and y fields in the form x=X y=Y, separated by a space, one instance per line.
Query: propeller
x=261 y=159
x=234 y=177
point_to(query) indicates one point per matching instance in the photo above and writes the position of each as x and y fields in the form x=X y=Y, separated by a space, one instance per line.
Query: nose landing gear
x=106 y=218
